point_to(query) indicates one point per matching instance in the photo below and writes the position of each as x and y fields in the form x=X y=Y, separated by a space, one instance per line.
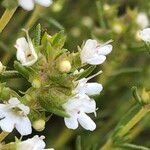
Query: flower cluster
x=59 y=85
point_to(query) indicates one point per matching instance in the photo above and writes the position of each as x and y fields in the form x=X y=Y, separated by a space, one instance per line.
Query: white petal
x=23 y=125
x=71 y=122
x=72 y=103
x=86 y=122
x=145 y=34
x=90 y=44
x=26 y=4
x=96 y=60
x=14 y=101
x=7 y=124
x=45 y=3
x=93 y=88
x=35 y=143
x=22 y=46
x=89 y=106
x=105 y=50
x=25 y=52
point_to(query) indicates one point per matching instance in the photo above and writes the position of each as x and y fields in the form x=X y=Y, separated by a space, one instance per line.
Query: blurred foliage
x=127 y=66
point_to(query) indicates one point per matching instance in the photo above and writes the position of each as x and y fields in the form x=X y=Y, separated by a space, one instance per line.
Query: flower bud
x=64 y=66
x=145 y=97
x=117 y=27
x=36 y=83
x=39 y=125
x=1 y=67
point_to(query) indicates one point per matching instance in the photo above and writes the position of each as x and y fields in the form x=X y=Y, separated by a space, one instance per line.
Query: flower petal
x=71 y=122
x=89 y=106
x=96 y=60
x=45 y=3
x=90 y=44
x=23 y=125
x=26 y=4
x=145 y=34
x=14 y=101
x=7 y=124
x=21 y=45
x=105 y=50
x=86 y=122
x=93 y=88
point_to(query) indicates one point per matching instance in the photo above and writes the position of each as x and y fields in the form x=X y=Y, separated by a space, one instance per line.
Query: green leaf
x=57 y=111
x=63 y=80
x=37 y=35
x=136 y=95
x=85 y=73
x=133 y=147
x=22 y=70
x=58 y=40
x=125 y=119
x=78 y=143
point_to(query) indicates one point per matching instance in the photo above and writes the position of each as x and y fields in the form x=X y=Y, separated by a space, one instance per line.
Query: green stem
x=143 y=111
x=137 y=117
x=34 y=17
x=6 y=18
x=99 y=6
x=3 y=135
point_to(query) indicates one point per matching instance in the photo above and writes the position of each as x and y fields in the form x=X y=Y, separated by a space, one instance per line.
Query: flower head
x=14 y=115
x=145 y=34
x=25 y=52
x=29 y=4
x=93 y=53
x=77 y=107
x=35 y=143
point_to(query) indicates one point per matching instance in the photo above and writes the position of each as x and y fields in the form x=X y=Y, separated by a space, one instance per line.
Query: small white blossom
x=92 y=88
x=142 y=20
x=35 y=143
x=25 y=52
x=29 y=4
x=77 y=107
x=145 y=34
x=14 y=115
x=93 y=53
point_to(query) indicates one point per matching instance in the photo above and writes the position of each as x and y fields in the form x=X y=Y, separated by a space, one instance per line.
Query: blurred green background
x=128 y=65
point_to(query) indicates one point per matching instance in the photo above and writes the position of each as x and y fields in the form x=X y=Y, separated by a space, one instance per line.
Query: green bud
x=39 y=125
x=64 y=66
x=36 y=83
x=145 y=96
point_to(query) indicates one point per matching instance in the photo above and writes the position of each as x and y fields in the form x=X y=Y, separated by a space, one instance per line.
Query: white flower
x=14 y=115
x=25 y=52
x=92 y=88
x=29 y=4
x=93 y=53
x=145 y=34
x=142 y=20
x=35 y=143
x=77 y=107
